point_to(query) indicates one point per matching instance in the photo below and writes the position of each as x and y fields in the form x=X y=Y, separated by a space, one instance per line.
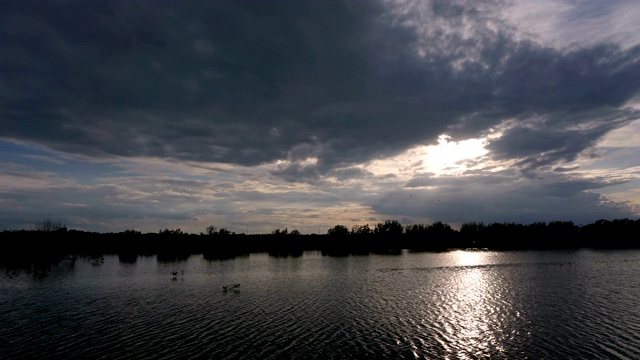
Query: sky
x=260 y=115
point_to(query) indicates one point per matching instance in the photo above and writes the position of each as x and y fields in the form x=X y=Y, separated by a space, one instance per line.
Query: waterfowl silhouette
x=233 y=287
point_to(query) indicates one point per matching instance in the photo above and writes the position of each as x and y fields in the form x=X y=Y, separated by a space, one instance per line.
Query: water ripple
x=410 y=306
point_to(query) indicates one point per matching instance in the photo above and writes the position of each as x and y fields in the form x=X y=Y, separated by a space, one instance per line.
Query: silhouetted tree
x=389 y=228
x=565 y=231
x=211 y=230
x=415 y=230
x=471 y=234
x=471 y=228
x=48 y=225
x=338 y=230
x=225 y=232
x=439 y=228
x=170 y=232
x=284 y=231
x=361 y=230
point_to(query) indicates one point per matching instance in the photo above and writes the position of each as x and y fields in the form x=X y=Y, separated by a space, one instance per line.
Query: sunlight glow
x=469 y=258
x=447 y=158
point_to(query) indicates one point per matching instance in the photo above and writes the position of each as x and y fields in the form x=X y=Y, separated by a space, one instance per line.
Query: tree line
x=53 y=239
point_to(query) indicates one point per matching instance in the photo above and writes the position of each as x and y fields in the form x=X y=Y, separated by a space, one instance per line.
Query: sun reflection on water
x=469 y=258
x=474 y=315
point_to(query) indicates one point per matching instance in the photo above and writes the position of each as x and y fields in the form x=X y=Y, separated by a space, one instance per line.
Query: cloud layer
x=314 y=94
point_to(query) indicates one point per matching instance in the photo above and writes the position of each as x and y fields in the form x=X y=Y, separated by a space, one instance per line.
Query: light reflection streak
x=474 y=314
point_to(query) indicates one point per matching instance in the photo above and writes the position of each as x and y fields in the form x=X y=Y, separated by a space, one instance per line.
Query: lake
x=459 y=305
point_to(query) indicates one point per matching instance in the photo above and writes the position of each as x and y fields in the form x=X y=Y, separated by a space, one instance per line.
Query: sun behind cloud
x=448 y=156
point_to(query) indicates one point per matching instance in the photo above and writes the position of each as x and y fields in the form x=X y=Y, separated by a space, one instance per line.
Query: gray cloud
x=172 y=199
x=246 y=82
x=557 y=138
x=504 y=198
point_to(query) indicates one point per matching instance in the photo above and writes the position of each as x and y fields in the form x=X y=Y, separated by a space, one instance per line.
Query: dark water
x=458 y=305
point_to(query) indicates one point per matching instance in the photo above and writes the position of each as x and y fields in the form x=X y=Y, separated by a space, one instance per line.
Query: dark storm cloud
x=310 y=173
x=252 y=82
x=558 y=137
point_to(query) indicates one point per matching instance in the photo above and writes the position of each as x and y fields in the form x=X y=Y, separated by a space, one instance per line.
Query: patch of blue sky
x=39 y=158
x=612 y=158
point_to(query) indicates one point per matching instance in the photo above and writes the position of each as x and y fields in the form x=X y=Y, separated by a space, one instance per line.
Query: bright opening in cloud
x=449 y=156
